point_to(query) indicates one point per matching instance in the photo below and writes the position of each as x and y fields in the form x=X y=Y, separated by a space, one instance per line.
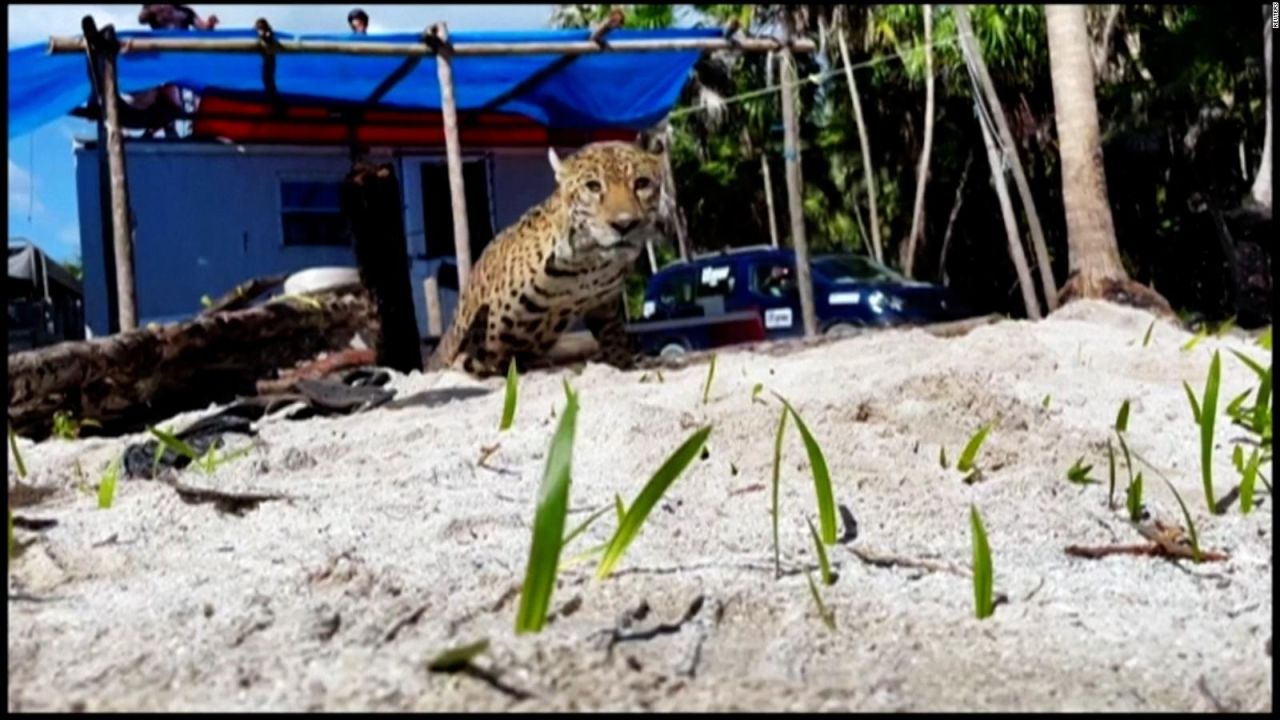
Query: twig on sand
x=889 y=561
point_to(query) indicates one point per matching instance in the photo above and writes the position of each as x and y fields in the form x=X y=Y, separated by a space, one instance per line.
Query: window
x=773 y=279
x=676 y=290
x=311 y=213
x=437 y=207
x=852 y=269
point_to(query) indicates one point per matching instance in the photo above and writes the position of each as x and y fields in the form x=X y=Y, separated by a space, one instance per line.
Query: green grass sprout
x=1248 y=479
x=821 y=478
x=1079 y=473
x=983 y=572
x=970 y=452
x=711 y=373
x=107 y=486
x=824 y=564
x=1122 y=417
x=828 y=618
x=18 y=465
x=455 y=659
x=1186 y=516
x=1146 y=339
x=1191 y=398
x=649 y=496
x=1111 y=475
x=548 y=523
x=942 y=456
x=1133 y=499
x=777 y=466
x=1208 y=408
x=509 y=403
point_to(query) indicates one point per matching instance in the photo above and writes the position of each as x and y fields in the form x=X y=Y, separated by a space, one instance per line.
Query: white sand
x=156 y=604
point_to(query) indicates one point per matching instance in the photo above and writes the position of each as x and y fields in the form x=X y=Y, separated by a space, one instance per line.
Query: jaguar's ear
x=556 y=166
x=653 y=141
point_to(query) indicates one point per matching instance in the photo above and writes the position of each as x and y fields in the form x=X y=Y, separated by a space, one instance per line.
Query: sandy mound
x=395 y=544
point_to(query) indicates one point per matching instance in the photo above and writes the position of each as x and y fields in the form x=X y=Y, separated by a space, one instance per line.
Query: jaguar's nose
x=624 y=226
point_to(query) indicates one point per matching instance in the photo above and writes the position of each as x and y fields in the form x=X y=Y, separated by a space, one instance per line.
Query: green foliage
x=107 y=486
x=648 y=499
x=824 y=565
x=1208 y=410
x=821 y=477
x=1186 y=517
x=942 y=456
x=711 y=373
x=1133 y=499
x=208 y=462
x=970 y=452
x=509 y=403
x=983 y=570
x=66 y=427
x=1146 y=339
x=828 y=617
x=1122 y=417
x=777 y=465
x=1111 y=474
x=548 y=523
x=1248 y=478
x=1079 y=473
x=455 y=659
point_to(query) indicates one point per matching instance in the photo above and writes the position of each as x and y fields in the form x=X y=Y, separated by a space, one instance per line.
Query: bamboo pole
x=338 y=47
x=795 y=181
x=974 y=55
x=127 y=296
x=922 y=175
x=90 y=29
x=453 y=154
x=1010 y=225
x=864 y=143
x=768 y=199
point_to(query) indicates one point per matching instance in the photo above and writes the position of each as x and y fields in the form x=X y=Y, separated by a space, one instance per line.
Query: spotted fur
x=563 y=261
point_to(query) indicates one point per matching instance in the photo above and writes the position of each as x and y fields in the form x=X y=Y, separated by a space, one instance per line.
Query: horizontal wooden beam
x=581 y=47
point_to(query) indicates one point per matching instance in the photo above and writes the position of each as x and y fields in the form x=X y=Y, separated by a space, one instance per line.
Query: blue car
x=850 y=292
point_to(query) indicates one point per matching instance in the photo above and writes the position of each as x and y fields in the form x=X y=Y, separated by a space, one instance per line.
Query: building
x=252 y=189
x=45 y=300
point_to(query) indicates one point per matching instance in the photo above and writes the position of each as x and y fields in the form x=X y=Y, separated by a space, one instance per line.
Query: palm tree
x=1094 y=258
x=1261 y=191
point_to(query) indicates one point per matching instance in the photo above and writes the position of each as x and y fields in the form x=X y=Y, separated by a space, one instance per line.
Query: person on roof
x=358 y=21
x=175 y=17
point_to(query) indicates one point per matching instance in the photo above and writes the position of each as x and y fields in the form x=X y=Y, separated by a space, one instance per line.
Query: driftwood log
x=127 y=380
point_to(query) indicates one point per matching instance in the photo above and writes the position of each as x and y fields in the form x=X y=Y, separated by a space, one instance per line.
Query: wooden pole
x=768 y=199
x=868 y=171
x=1010 y=225
x=94 y=58
x=795 y=182
x=453 y=154
x=343 y=47
x=127 y=295
x=435 y=314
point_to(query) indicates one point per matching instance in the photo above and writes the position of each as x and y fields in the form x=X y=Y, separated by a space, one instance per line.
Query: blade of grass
x=1248 y=480
x=755 y=392
x=1264 y=340
x=777 y=465
x=824 y=565
x=821 y=478
x=582 y=557
x=1079 y=473
x=827 y=618
x=1146 y=339
x=711 y=373
x=648 y=498
x=548 y=523
x=171 y=441
x=455 y=659
x=983 y=572
x=1233 y=407
x=619 y=508
x=942 y=456
x=582 y=527
x=1111 y=475
x=509 y=403
x=1195 y=340
x=1122 y=417
x=1128 y=461
x=1186 y=516
x=965 y=464
x=107 y=486
x=1133 y=499
x=1191 y=398
x=1208 y=409
x=1045 y=402
x=17 y=454
x=1251 y=363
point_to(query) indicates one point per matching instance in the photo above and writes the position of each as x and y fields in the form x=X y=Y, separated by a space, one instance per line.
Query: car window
x=850 y=269
x=773 y=279
x=676 y=290
x=715 y=281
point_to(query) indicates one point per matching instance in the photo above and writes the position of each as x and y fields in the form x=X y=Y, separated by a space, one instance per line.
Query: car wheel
x=843 y=330
x=672 y=350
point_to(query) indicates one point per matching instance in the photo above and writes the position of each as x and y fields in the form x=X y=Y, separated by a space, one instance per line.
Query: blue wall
x=207 y=218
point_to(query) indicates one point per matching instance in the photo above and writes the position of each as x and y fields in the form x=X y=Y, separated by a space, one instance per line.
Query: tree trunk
x=922 y=177
x=1261 y=192
x=867 y=165
x=795 y=180
x=972 y=52
x=1096 y=269
x=1010 y=225
x=145 y=375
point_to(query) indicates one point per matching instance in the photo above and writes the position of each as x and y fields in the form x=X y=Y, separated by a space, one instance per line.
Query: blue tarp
x=596 y=91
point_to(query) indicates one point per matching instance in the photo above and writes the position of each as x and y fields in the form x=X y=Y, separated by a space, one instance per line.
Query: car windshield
x=851 y=269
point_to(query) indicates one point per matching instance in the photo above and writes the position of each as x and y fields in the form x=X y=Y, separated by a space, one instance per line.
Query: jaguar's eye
x=595 y=186
x=643 y=183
